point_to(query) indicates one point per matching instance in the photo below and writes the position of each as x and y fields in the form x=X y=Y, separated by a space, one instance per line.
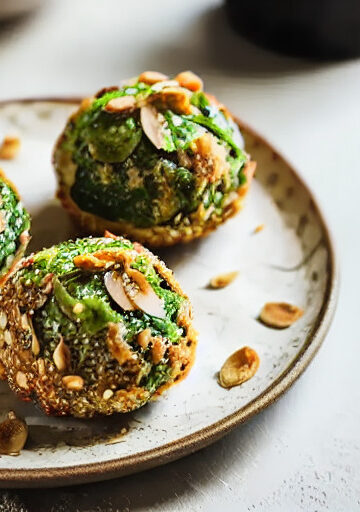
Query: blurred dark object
x=317 y=29
x=14 y=8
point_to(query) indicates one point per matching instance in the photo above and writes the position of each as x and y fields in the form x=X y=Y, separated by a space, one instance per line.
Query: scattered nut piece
x=8 y=337
x=280 y=314
x=21 y=380
x=239 y=367
x=143 y=338
x=13 y=434
x=152 y=125
x=189 y=80
x=152 y=77
x=41 y=366
x=61 y=356
x=10 y=147
x=259 y=228
x=121 y=104
x=35 y=345
x=158 y=349
x=108 y=393
x=223 y=280
x=73 y=382
x=78 y=308
x=115 y=288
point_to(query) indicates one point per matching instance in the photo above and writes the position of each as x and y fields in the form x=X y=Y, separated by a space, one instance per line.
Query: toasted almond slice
x=280 y=314
x=73 y=382
x=61 y=356
x=152 y=77
x=239 y=367
x=121 y=104
x=189 y=80
x=10 y=147
x=158 y=349
x=173 y=98
x=152 y=126
x=223 y=280
x=13 y=434
x=166 y=83
x=150 y=303
x=118 y=347
x=115 y=288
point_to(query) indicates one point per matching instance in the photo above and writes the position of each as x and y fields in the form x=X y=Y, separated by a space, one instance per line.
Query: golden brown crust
x=157 y=236
x=31 y=375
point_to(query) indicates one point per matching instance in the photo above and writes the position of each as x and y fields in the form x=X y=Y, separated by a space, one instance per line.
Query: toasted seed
x=143 y=338
x=189 y=80
x=8 y=337
x=108 y=393
x=239 y=367
x=280 y=314
x=259 y=228
x=73 y=382
x=9 y=148
x=24 y=321
x=114 y=285
x=78 y=308
x=3 y=320
x=223 y=280
x=35 y=345
x=152 y=125
x=61 y=356
x=152 y=77
x=41 y=366
x=13 y=434
x=21 y=380
x=121 y=104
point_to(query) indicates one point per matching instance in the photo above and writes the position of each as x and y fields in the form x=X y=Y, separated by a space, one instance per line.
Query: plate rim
x=97 y=471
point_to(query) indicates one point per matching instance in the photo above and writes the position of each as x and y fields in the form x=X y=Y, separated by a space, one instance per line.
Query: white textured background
x=303 y=453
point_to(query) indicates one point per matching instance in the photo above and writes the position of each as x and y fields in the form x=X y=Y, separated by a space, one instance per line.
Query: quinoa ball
x=157 y=160
x=14 y=227
x=94 y=326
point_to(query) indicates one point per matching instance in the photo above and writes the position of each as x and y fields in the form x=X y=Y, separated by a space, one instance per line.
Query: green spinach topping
x=15 y=219
x=122 y=176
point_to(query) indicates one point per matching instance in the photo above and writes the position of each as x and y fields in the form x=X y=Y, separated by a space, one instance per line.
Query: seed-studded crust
x=196 y=225
x=33 y=377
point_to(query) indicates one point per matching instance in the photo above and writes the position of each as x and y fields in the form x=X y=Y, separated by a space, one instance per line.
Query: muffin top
x=151 y=151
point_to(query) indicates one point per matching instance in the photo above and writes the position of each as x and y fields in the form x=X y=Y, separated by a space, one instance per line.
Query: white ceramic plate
x=291 y=260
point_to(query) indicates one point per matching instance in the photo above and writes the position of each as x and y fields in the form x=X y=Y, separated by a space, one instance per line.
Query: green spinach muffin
x=14 y=227
x=94 y=326
x=157 y=160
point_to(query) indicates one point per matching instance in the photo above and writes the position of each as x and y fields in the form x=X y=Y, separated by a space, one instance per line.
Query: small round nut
x=13 y=434
x=21 y=380
x=239 y=367
x=108 y=393
x=223 y=280
x=143 y=338
x=73 y=382
x=190 y=81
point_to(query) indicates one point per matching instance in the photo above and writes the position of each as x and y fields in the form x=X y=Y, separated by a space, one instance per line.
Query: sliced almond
x=121 y=104
x=152 y=77
x=21 y=380
x=10 y=147
x=280 y=314
x=189 y=80
x=13 y=434
x=61 y=356
x=114 y=285
x=35 y=345
x=147 y=300
x=239 y=367
x=152 y=125
x=166 y=83
x=8 y=337
x=143 y=338
x=41 y=366
x=173 y=98
x=73 y=382
x=223 y=280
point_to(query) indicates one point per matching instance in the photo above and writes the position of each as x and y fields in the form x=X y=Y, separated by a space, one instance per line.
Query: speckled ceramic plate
x=291 y=260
